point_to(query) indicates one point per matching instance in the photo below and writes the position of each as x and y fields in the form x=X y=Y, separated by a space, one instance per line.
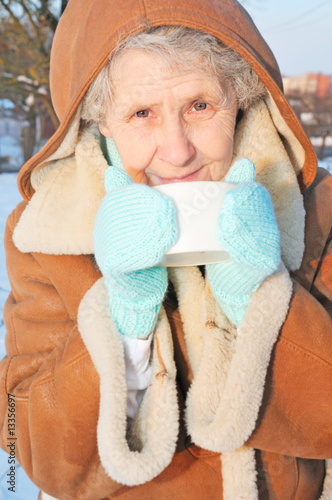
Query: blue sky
x=299 y=33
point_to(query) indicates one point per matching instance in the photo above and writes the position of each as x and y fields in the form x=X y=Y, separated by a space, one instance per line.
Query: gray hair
x=186 y=49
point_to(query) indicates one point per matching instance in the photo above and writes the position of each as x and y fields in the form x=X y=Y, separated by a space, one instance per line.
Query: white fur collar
x=150 y=447
x=60 y=217
x=229 y=365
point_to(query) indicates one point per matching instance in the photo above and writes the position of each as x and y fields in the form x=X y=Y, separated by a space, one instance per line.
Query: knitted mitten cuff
x=136 y=299
x=133 y=322
x=232 y=286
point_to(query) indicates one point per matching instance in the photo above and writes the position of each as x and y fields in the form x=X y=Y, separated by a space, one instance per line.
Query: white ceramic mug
x=198 y=207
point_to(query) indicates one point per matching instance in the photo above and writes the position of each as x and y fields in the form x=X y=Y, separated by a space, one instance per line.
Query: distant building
x=310 y=96
x=316 y=84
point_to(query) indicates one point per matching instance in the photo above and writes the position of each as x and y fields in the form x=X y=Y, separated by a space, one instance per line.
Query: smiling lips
x=186 y=178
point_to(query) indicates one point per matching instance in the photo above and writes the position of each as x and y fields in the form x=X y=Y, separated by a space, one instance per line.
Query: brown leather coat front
x=56 y=385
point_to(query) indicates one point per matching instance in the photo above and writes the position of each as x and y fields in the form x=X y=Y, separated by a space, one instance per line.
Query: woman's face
x=169 y=126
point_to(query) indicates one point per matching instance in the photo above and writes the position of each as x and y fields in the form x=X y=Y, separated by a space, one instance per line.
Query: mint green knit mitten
x=248 y=230
x=134 y=228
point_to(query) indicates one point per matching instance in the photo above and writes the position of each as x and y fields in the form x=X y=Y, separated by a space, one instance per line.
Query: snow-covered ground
x=9 y=197
x=317 y=141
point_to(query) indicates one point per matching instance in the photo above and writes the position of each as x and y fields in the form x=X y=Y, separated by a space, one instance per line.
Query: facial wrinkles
x=169 y=98
x=169 y=95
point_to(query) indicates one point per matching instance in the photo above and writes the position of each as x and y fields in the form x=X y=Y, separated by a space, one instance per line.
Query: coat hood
x=89 y=30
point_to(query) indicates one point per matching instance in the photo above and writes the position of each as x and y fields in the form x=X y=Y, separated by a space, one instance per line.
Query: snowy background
x=9 y=197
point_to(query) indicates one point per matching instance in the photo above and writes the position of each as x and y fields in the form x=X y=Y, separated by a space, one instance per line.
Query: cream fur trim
x=66 y=149
x=292 y=145
x=239 y=475
x=60 y=216
x=327 y=491
x=225 y=396
x=257 y=139
x=154 y=433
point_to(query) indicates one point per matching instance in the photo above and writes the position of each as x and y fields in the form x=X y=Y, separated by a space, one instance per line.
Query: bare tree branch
x=28 y=13
x=64 y=4
x=26 y=33
x=10 y=12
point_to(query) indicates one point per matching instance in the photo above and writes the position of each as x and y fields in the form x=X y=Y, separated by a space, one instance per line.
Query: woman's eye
x=200 y=106
x=143 y=113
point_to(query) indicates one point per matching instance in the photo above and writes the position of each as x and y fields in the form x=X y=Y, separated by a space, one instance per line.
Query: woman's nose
x=174 y=145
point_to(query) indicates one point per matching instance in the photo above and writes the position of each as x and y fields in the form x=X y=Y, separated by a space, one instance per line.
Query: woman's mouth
x=184 y=178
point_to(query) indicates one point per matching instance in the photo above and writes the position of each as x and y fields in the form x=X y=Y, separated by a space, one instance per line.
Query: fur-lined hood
x=90 y=29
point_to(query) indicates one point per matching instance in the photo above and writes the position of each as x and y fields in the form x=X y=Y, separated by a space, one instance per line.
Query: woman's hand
x=248 y=230
x=134 y=228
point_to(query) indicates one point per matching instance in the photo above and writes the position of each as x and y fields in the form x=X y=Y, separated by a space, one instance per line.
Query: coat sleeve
x=296 y=414
x=50 y=374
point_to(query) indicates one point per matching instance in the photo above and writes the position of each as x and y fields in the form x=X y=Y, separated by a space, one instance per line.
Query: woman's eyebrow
x=128 y=108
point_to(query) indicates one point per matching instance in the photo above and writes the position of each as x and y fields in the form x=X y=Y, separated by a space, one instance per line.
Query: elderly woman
x=131 y=380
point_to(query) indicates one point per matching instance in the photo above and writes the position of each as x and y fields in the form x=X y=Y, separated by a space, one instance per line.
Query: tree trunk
x=64 y=4
x=48 y=105
x=322 y=146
